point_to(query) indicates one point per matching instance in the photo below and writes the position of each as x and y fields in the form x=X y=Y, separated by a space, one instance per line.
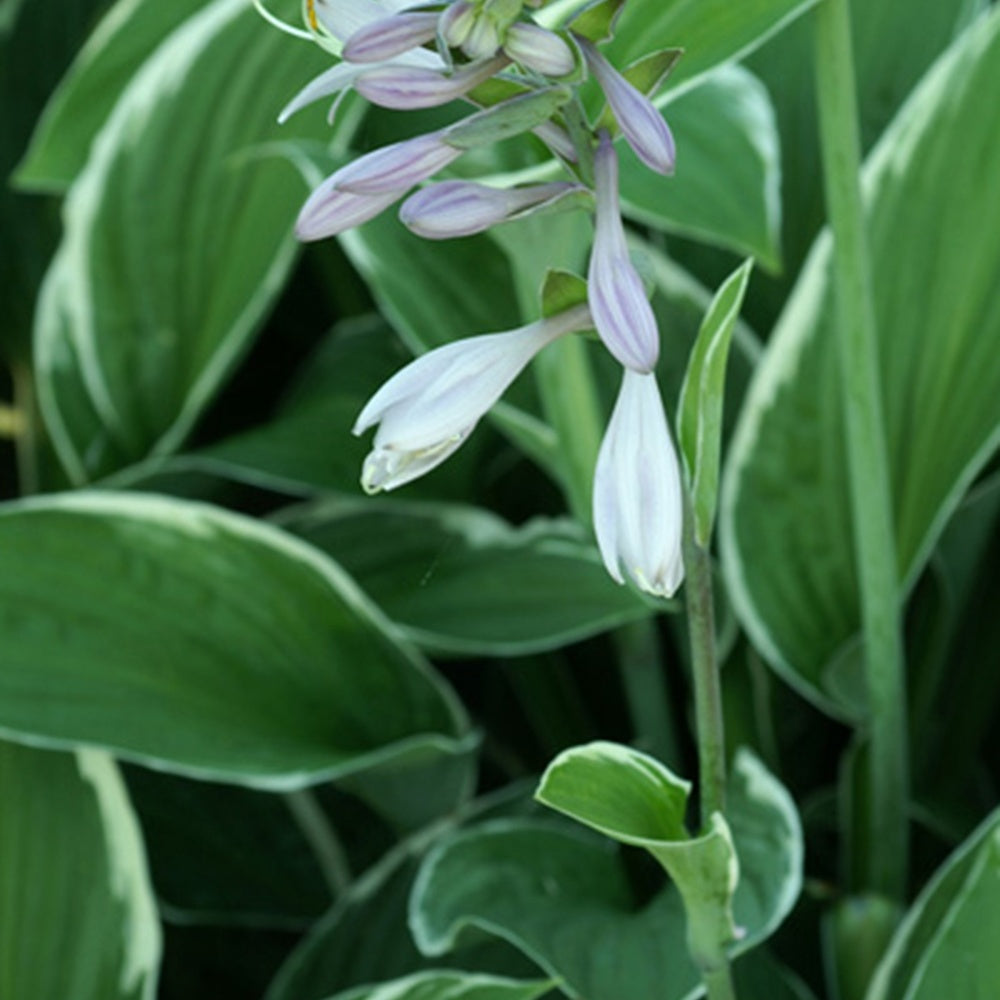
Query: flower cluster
x=404 y=55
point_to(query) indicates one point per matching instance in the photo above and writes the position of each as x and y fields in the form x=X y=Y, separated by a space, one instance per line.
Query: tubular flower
x=638 y=508
x=407 y=88
x=622 y=313
x=644 y=128
x=426 y=410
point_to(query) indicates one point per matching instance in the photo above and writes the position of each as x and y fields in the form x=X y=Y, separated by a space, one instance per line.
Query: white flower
x=638 y=506
x=426 y=410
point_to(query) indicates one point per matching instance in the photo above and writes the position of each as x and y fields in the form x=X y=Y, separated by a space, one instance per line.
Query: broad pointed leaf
x=785 y=524
x=203 y=642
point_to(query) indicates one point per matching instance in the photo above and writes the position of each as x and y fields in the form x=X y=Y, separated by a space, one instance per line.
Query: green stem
x=710 y=734
x=871 y=498
x=719 y=984
x=646 y=690
x=322 y=839
x=25 y=429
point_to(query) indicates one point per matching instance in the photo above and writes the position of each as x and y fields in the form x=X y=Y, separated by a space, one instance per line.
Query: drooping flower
x=460 y=208
x=638 y=506
x=381 y=40
x=644 y=128
x=622 y=313
x=426 y=410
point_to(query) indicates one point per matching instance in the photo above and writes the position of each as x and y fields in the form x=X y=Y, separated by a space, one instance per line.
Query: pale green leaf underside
x=77 y=913
x=203 y=642
x=564 y=899
x=785 y=523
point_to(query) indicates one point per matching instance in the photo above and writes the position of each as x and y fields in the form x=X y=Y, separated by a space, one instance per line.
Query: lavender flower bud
x=483 y=39
x=329 y=211
x=622 y=313
x=461 y=208
x=396 y=167
x=407 y=88
x=638 y=508
x=538 y=49
x=644 y=128
x=381 y=40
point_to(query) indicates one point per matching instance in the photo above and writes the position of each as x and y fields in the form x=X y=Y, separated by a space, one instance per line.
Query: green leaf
x=203 y=642
x=443 y=985
x=710 y=32
x=726 y=188
x=554 y=891
x=946 y=946
x=785 y=523
x=77 y=913
x=699 y=420
x=458 y=579
x=597 y=20
x=561 y=290
x=634 y=799
x=126 y=36
x=177 y=235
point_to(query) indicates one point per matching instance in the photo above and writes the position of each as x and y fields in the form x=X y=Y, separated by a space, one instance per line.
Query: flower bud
x=622 y=313
x=538 y=49
x=644 y=128
x=455 y=22
x=380 y=40
x=397 y=167
x=483 y=39
x=406 y=88
x=461 y=208
x=329 y=211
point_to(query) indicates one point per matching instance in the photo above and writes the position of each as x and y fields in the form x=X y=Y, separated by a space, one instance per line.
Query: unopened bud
x=538 y=49
x=462 y=208
x=483 y=39
x=397 y=167
x=389 y=36
x=455 y=23
x=406 y=88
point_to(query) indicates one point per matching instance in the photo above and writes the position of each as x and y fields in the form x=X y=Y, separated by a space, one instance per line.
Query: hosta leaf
x=438 y=985
x=785 y=524
x=699 y=422
x=125 y=37
x=564 y=898
x=77 y=914
x=177 y=236
x=203 y=642
x=460 y=580
x=633 y=798
x=946 y=946
x=710 y=31
x=726 y=186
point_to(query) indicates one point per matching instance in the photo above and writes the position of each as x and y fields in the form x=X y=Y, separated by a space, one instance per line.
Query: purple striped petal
x=461 y=208
x=622 y=313
x=380 y=40
x=329 y=211
x=644 y=128
x=538 y=49
x=407 y=88
x=396 y=167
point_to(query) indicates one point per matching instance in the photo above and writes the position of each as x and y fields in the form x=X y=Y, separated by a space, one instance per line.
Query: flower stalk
x=868 y=467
